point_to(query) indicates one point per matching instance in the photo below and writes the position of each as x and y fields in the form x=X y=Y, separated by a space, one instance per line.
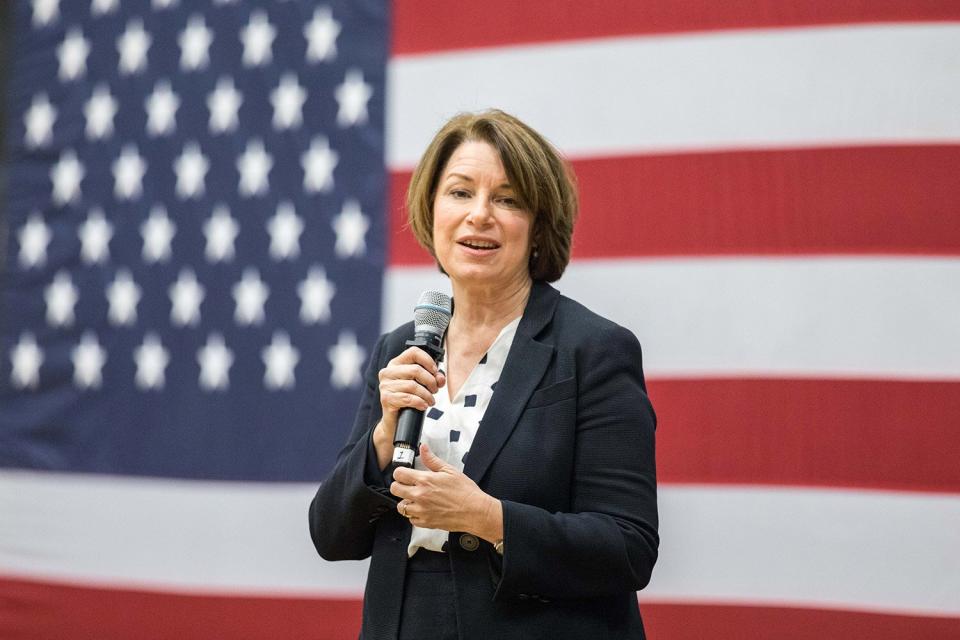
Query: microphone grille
x=432 y=312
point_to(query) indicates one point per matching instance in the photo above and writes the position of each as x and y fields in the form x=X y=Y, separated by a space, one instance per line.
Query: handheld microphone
x=430 y=319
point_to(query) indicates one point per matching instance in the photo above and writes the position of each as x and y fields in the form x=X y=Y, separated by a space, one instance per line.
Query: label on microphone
x=402 y=456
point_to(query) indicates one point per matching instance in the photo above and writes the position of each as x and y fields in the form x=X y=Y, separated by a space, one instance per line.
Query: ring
x=403 y=509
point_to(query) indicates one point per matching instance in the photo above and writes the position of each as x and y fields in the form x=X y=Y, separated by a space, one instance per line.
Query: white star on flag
x=72 y=54
x=315 y=293
x=284 y=228
x=38 y=121
x=257 y=38
x=133 y=45
x=318 y=163
x=215 y=361
x=60 y=296
x=88 y=360
x=220 y=230
x=321 y=34
x=124 y=295
x=224 y=103
x=287 y=100
x=161 y=106
x=346 y=358
x=99 y=111
x=157 y=231
x=45 y=12
x=103 y=7
x=351 y=227
x=254 y=165
x=152 y=359
x=34 y=236
x=26 y=358
x=280 y=359
x=352 y=96
x=186 y=295
x=95 y=233
x=66 y=176
x=128 y=171
x=195 y=44
x=250 y=294
x=191 y=167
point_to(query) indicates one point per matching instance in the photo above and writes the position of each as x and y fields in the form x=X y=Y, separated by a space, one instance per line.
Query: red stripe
x=436 y=25
x=799 y=201
x=40 y=611
x=696 y=622
x=836 y=433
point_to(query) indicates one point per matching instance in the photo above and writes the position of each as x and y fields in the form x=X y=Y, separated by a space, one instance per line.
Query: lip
x=466 y=241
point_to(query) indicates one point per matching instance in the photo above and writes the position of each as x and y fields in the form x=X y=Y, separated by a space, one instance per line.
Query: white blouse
x=451 y=424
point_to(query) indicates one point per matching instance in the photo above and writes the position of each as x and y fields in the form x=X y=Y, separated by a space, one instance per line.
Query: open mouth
x=479 y=245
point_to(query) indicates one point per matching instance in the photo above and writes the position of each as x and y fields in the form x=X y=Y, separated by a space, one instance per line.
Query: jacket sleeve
x=344 y=512
x=607 y=542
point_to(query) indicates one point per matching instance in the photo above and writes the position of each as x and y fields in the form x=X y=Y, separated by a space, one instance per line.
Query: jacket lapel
x=526 y=363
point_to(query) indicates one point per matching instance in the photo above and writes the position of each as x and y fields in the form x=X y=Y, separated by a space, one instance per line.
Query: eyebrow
x=505 y=185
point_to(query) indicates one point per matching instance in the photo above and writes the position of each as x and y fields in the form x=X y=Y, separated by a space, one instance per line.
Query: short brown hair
x=541 y=179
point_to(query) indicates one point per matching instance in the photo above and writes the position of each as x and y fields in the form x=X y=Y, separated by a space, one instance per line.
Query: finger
x=416 y=373
x=407 y=476
x=409 y=372
x=432 y=461
x=406 y=393
x=401 y=490
x=416 y=355
x=394 y=402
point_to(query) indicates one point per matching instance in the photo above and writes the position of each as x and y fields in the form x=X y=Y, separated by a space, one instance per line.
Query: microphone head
x=432 y=312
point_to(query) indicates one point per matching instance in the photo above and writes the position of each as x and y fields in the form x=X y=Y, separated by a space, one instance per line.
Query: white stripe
x=165 y=534
x=859 y=550
x=833 y=549
x=874 y=84
x=859 y=317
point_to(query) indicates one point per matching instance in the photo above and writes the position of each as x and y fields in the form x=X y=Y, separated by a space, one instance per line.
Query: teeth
x=480 y=245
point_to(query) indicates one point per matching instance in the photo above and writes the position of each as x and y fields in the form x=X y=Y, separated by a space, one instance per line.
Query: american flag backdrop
x=204 y=235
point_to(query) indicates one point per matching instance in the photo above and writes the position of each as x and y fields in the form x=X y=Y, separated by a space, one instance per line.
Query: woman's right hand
x=409 y=380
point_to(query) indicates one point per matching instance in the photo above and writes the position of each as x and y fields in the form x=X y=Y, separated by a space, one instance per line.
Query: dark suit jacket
x=567 y=445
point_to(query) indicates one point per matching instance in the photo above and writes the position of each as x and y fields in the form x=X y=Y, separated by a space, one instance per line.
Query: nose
x=480 y=212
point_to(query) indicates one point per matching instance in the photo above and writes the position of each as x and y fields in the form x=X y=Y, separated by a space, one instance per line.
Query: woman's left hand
x=444 y=498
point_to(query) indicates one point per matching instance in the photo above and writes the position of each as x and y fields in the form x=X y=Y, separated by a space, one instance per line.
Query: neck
x=491 y=307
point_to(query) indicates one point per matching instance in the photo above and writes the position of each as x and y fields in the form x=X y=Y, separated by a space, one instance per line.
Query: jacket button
x=469 y=542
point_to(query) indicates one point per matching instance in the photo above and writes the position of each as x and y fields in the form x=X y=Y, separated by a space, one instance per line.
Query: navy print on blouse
x=470 y=401
x=483 y=360
x=463 y=460
x=494 y=386
x=454 y=435
x=434 y=413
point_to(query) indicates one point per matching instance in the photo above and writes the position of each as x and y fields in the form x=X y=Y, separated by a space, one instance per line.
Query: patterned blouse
x=451 y=424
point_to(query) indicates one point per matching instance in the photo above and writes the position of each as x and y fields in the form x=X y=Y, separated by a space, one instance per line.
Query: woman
x=531 y=512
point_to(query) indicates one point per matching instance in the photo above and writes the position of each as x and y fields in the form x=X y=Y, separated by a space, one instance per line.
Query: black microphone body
x=406 y=442
x=431 y=317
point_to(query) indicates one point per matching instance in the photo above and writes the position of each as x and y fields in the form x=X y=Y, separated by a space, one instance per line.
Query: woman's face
x=481 y=235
